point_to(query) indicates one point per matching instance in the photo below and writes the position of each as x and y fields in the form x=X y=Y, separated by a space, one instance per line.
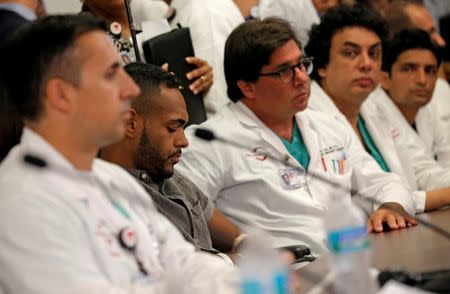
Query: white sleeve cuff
x=420 y=197
x=225 y=257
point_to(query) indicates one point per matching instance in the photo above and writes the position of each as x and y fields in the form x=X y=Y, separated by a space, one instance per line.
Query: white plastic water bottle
x=261 y=269
x=350 y=248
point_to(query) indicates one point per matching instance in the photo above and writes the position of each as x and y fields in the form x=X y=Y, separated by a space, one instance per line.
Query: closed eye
x=112 y=71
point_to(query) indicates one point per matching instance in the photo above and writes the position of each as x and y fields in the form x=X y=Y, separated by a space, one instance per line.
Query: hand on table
x=393 y=215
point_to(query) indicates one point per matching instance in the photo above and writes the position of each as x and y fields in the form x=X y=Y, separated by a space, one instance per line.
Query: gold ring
x=203 y=78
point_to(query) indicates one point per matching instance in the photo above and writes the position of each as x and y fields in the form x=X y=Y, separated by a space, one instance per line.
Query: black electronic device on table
x=434 y=281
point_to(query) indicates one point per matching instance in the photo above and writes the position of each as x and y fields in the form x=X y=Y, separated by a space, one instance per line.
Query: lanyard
x=127 y=236
x=113 y=201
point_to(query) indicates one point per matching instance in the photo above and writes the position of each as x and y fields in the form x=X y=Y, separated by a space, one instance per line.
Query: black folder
x=173 y=47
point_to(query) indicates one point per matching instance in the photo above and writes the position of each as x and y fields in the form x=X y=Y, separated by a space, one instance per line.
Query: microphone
x=209 y=135
x=34 y=160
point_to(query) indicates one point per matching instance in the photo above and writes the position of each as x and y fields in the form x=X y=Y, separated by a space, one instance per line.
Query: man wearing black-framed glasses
x=287 y=73
x=272 y=184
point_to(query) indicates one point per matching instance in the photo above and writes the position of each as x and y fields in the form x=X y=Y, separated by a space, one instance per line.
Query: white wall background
x=62 y=6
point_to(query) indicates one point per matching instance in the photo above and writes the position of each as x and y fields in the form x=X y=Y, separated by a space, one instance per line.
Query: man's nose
x=300 y=76
x=181 y=140
x=365 y=61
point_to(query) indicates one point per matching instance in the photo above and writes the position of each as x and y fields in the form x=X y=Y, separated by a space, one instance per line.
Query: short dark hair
x=249 y=47
x=335 y=20
x=149 y=78
x=41 y=50
x=407 y=40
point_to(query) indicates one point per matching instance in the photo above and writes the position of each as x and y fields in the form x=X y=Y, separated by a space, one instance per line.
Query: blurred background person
x=14 y=13
x=210 y=23
x=301 y=14
x=114 y=11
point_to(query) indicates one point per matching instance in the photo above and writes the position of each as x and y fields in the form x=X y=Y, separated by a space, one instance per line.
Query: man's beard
x=148 y=158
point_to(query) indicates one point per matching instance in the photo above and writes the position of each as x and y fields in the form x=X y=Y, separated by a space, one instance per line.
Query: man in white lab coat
x=70 y=223
x=347 y=50
x=412 y=14
x=267 y=77
x=410 y=66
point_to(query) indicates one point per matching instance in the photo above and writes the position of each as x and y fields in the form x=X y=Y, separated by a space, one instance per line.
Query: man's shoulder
x=16 y=177
x=9 y=22
x=183 y=182
x=122 y=179
x=114 y=172
x=226 y=120
x=25 y=188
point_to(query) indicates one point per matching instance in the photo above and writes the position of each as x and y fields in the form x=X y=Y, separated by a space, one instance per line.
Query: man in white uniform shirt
x=346 y=46
x=267 y=77
x=70 y=223
x=405 y=14
x=410 y=66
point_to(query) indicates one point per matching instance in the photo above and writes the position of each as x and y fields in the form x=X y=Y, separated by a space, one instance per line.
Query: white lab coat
x=210 y=23
x=59 y=231
x=246 y=184
x=405 y=155
x=428 y=173
x=301 y=14
x=433 y=123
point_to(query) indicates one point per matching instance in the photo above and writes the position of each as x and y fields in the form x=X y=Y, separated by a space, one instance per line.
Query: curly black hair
x=335 y=20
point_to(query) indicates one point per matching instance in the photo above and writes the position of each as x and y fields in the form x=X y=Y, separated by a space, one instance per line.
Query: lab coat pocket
x=336 y=170
x=331 y=183
x=337 y=166
x=335 y=163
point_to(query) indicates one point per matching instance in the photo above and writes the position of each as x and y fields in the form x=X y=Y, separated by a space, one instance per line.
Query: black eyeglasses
x=287 y=73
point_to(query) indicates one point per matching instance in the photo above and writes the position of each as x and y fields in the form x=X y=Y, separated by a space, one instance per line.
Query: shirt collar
x=20 y=9
x=320 y=97
x=144 y=177
x=33 y=144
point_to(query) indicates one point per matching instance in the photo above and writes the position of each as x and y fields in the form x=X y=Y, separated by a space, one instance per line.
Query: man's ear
x=322 y=72
x=384 y=80
x=59 y=95
x=247 y=88
x=133 y=124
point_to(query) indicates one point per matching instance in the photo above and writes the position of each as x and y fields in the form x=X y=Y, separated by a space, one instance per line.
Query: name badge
x=292 y=178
